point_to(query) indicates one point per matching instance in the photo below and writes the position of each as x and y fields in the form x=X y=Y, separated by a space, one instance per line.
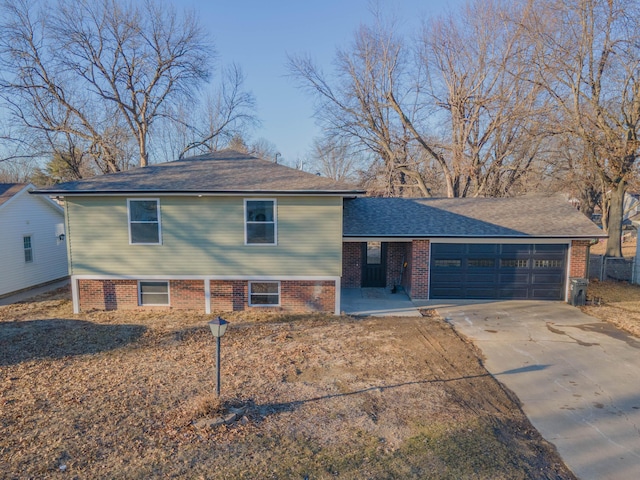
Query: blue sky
x=258 y=35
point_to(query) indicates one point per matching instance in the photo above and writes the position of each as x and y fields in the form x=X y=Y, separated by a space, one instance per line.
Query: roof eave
x=200 y=193
x=440 y=236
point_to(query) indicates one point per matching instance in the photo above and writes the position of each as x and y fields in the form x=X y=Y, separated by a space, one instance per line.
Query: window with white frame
x=144 y=221
x=28 y=249
x=260 y=222
x=153 y=293
x=264 y=294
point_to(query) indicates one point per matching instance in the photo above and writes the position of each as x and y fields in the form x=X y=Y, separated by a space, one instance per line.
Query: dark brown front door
x=374 y=264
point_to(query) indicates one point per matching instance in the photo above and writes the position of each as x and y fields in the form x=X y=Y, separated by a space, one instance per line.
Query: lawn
x=615 y=302
x=116 y=395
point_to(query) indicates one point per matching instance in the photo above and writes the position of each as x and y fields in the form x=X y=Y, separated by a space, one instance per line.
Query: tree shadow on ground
x=267 y=409
x=57 y=338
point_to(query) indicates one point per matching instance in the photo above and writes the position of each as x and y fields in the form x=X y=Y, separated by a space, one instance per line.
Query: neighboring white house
x=33 y=250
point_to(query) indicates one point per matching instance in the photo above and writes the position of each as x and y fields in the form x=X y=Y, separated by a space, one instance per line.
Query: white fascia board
x=208 y=277
x=485 y=240
x=377 y=239
x=514 y=241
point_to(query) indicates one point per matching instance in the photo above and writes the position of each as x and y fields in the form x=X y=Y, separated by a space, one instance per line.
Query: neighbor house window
x=144 y=221
x=28 y=249
x=260 y=222
x=153 y=293
x=264 y=294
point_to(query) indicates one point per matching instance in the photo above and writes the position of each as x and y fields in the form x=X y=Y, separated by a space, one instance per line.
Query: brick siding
x=226 y=295
x=396 y=257
x=420 y=269
x=187 y=294
x=579 y=258
x=351 y=264
x=108 y=294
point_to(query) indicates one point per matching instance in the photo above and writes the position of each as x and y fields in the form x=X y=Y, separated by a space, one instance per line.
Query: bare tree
x=336 y=159
x=464 y=104
x=102 y=72
x=228 y=111
x=587 y=57
x=354 y=104
x=487 y=111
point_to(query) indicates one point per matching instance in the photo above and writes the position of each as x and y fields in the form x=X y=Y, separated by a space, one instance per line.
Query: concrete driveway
x=578 y=378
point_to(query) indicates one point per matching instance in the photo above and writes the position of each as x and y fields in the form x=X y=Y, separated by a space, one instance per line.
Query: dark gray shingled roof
x=226 y=171
x=8 y=190
x=528 y=216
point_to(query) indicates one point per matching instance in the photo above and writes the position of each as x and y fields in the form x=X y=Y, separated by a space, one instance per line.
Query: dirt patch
x=615 y=302
x=116 y=394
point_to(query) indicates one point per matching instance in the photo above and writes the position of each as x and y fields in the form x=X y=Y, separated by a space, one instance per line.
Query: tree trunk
x=616 y=200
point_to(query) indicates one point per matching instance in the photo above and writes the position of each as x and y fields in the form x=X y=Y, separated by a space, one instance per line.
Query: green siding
x=205 y=236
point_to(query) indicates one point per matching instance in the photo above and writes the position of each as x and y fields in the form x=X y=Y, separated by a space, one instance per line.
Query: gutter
x=191 y=193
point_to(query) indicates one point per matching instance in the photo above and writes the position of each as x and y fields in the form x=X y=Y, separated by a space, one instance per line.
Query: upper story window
x=144 y=221
x=28 y=249
x=260 y=222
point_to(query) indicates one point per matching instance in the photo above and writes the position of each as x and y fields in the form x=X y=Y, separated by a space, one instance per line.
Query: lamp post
x=218 y=326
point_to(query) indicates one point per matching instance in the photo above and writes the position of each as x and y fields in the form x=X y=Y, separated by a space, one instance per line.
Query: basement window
x=264 y=294
x=153 y=293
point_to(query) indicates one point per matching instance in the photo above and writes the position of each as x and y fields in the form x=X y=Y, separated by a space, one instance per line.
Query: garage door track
x=578 y=378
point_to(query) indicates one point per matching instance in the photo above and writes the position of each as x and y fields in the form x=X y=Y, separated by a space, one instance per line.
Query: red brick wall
x=295 y=296
x=187 y=294
x=229 y=295
x=304 y=296
x=579 y=258
x=396 y=257
x=420 y=269
x=226 y=295
x=351 y=264
x=108 y=294
x=406 y=278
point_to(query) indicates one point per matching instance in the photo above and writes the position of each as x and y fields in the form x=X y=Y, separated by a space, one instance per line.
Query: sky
x=259 y=34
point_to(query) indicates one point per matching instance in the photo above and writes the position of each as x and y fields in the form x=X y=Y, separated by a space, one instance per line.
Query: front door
x=374 y=264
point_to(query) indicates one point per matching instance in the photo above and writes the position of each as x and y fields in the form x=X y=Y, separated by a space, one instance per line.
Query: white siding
x=32 y=215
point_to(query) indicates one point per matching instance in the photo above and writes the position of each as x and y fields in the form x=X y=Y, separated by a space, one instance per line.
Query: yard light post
x=218 y=326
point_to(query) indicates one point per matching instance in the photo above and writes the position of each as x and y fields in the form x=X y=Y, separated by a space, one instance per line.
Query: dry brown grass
x=115 y=395
x=628 y=248
x=615 y=302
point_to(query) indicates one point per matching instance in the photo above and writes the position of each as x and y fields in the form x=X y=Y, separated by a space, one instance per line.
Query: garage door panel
x=547 y=294
x=482 y=278
x=482 y=248
x=513 y=277
x=554 y=279
x=448 y=292
x=520 y=250
x=513 y=292
x=517 y=271
x=480 y=292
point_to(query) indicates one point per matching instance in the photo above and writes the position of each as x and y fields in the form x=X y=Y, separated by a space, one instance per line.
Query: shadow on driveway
x=57 y=338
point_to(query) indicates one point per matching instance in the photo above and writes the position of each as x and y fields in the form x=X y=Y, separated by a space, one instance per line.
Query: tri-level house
x=228 y=231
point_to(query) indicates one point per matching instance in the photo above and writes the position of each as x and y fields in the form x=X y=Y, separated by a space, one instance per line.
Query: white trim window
x=260 y=226
x=144 y=221
x=153 y=293
x=264 y=294
x=27 y=245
